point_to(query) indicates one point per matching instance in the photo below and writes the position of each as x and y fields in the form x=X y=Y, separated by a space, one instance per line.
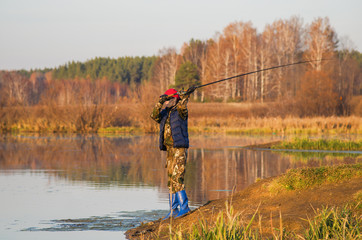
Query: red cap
x=172 y=91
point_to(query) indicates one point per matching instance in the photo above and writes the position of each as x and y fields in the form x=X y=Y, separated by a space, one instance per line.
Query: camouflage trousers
x=175 y=164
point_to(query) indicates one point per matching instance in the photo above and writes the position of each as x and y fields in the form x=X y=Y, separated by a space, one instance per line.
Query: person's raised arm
x=155 y=115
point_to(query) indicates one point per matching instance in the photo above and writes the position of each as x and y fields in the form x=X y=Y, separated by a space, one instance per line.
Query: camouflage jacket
x=181 y=107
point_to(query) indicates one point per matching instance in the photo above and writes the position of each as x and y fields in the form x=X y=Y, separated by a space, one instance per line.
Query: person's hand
x=164 y=98
x=190 y=90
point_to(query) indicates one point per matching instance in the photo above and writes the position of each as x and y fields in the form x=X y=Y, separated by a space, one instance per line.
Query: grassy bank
x=310 y=203
x=336 y=222
x=328 y=223
x=299 y=179
x=305 y=157
x=320 y=144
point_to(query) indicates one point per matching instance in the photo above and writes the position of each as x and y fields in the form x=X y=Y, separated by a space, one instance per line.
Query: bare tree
x=214 y=69
x=233 y=36
x=321 y=41
x=248 y=43
x=347 y=74
x=16 y=87
x=286 y=44
x=265 y=60
x=166 y=67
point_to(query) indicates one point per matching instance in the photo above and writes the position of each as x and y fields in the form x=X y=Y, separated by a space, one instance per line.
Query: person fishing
x=174 y=137
x=174 y=140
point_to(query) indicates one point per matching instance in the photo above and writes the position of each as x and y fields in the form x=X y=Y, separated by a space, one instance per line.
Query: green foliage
x=27 y=73
x=358 y=57
x=187 y=75
x=24 y=73
x=306 y=156
x=335 y=223
x=298 y=179
x=128 y=70
x=321 y=144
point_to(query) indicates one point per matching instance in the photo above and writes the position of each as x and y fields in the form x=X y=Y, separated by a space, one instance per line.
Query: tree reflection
x=214 y=169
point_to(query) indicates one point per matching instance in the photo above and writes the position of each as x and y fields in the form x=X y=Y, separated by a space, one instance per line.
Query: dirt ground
x=293 y=206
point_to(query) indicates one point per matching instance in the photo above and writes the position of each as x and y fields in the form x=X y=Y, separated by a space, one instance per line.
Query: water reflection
x=39 y=203
x=216 y=165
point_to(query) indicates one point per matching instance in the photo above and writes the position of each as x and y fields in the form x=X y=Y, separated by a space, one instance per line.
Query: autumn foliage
x=316 y=96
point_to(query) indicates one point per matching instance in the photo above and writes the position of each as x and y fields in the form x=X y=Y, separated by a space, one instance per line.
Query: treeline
x=130 y=70
x=316 y=88
x=97 y=81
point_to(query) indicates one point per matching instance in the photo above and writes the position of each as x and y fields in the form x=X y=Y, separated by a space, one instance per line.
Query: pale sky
x=49 y=33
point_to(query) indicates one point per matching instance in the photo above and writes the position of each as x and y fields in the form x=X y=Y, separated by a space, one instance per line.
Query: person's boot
x=184 y=203
x=173 y=206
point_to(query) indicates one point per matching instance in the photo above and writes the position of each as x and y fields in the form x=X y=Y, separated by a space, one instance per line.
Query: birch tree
x=320 y=41
x=265 y=60
x=16 y=88
x=286 y=44
x=214 y=67
x=249 y=55
x=165 y=68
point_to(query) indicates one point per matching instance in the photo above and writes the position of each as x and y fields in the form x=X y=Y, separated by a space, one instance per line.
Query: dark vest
x=179 y=132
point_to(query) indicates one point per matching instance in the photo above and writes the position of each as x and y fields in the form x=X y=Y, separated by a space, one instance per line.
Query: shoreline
x=276 y=146
x=271 y=200
x=192 y=130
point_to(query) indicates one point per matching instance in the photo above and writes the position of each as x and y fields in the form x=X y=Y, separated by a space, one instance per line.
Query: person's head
x=172 y=91
x=174 y=100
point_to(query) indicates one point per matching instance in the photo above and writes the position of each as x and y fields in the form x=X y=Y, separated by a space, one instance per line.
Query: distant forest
x=318 y=88
x=130 y=70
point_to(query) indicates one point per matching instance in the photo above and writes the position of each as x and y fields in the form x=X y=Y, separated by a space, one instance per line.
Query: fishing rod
x=193 y=88
x=260 y=70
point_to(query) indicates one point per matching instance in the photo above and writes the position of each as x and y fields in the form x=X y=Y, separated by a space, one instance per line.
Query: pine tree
x=187 y=75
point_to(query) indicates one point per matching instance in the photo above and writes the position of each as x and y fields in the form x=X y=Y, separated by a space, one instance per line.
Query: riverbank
x=308 y=144
x=285 y=202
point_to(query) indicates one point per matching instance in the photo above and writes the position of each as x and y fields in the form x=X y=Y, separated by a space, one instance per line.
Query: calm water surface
x=92 y=187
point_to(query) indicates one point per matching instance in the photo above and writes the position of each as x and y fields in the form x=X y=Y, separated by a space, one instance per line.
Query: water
x=91 y=187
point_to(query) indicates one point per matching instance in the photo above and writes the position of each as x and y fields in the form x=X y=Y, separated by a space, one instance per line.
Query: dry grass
x=265 y=118
x=62 y=118
x=227 y=110
x=203 y=117
x=288 y=125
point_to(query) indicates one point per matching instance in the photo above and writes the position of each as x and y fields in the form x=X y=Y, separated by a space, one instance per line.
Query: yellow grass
x=230 y=118
x=287 y=125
